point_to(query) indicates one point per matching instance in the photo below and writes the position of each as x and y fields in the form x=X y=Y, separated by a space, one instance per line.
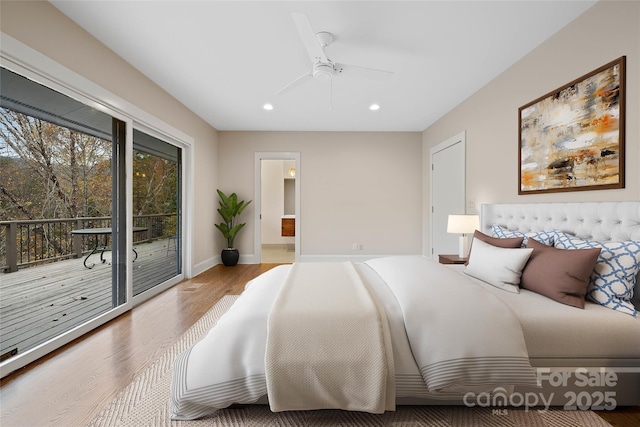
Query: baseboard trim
x=205 y=265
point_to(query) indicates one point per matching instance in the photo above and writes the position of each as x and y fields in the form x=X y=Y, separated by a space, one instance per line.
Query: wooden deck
x=39 y=303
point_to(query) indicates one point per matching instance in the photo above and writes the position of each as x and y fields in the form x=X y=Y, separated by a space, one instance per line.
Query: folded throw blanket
x=328 y=343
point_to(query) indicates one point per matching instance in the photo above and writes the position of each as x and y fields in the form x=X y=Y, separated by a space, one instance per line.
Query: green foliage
x=229 y=210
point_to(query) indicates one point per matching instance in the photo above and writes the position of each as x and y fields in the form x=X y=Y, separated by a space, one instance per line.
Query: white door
x=447 y=192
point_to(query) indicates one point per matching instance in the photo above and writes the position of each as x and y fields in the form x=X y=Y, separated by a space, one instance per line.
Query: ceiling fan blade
x=311 y=43
x=331 y=95
x=354 y=71
x=297 y=82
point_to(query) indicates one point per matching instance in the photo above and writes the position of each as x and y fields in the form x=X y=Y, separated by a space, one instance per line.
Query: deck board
x=41 y=302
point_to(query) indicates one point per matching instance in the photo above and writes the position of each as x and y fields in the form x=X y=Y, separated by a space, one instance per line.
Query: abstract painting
x=573 y=137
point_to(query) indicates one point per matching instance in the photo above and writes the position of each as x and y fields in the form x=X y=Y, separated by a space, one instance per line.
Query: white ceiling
x=225 y=59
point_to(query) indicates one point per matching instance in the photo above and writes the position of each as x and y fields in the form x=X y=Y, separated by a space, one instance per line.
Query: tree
x=50 y=171
x=154 y=184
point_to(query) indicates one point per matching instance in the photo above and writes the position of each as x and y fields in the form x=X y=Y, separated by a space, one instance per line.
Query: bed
x=425 y=333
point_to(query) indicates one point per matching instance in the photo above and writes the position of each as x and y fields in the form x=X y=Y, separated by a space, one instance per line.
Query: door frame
x=459 y=138
x=257 y=227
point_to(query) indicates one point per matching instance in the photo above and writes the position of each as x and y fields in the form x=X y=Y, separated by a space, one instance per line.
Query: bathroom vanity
x=288 y=225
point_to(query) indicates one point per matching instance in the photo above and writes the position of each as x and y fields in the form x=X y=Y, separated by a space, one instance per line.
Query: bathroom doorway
x=277 y=197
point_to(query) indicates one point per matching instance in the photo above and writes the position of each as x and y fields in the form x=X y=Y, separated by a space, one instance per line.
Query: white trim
x=203 y=266
x=257 y=238
x=459 y=138
x=18 y=57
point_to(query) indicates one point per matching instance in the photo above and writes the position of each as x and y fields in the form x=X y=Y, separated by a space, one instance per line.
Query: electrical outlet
x=360 y=246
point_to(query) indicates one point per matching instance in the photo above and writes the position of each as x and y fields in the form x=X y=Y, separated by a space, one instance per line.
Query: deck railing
x=26 y=243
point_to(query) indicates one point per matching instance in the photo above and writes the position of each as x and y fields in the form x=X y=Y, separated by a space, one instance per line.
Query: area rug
x=145 y=402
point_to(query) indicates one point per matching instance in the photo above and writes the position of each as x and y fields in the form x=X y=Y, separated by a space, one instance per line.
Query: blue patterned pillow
x=544 y=237
x=614 y=277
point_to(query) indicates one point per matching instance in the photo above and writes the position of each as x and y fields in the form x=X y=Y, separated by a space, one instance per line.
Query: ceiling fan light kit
x=323 y=71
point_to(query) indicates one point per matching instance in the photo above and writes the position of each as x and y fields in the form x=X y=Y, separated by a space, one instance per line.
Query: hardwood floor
x=70 y=386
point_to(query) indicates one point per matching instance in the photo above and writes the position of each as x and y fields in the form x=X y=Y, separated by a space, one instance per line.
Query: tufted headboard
x=600 y=221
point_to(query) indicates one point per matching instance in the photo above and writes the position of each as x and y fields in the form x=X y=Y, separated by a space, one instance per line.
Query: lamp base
x=463 y=246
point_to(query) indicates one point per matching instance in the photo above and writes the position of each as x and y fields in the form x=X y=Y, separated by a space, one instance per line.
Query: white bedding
x=555 y=331
x=454 y=352
x=461 y=336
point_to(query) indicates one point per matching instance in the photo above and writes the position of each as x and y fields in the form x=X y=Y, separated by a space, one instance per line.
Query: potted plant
x=229 y=210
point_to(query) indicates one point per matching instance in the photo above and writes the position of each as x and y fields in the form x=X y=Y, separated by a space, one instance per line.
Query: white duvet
x=449 y=336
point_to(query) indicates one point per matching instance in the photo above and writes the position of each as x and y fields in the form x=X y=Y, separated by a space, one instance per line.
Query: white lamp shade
x=461 y=224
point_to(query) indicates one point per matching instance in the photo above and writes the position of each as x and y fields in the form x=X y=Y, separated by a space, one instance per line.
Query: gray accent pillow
x=560 y=274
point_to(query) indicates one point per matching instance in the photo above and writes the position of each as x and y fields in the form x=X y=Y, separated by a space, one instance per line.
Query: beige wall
x=42 y=27
x=356 y=187
x=605 y=32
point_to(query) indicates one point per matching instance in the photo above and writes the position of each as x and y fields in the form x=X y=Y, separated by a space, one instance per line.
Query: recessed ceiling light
x=268 y=107
x=374 y=107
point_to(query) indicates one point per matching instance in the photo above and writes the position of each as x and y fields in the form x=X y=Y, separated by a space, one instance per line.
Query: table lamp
x=463 y=224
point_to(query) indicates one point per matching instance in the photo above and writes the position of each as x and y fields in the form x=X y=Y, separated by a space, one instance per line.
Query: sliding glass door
x=156 y=211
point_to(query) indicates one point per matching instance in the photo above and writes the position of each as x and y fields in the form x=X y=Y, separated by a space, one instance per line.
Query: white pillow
x=500 y=267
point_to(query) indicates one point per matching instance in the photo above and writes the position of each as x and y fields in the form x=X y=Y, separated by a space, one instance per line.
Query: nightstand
x=451 y=259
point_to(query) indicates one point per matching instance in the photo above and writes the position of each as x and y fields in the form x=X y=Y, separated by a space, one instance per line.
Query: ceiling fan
x=322 y=67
